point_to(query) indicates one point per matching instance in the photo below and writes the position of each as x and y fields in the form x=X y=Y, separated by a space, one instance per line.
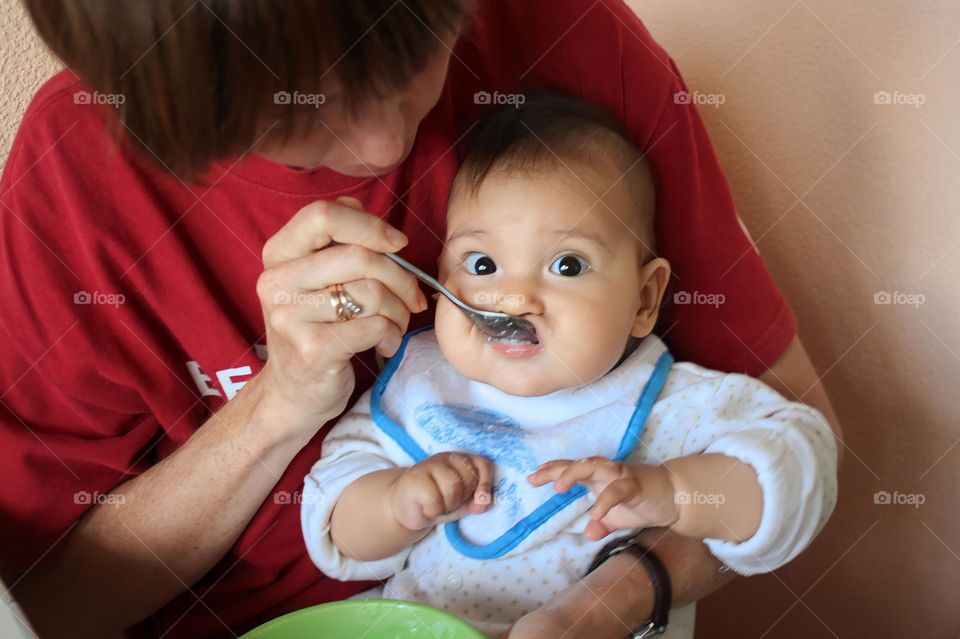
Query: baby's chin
x=521 y=387
x=523 y=378
x=521 y=374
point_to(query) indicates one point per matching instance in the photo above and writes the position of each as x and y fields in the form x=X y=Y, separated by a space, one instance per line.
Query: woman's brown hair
x=200 y=78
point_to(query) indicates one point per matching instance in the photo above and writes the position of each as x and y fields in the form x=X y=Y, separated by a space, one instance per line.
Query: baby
x=530 y=452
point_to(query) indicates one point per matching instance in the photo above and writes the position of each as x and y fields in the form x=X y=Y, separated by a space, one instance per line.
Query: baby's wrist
x=393 y=503
x=675 y=495
x=405 y=511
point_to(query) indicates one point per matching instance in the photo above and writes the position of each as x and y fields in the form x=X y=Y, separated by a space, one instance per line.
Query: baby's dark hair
x=550 y=131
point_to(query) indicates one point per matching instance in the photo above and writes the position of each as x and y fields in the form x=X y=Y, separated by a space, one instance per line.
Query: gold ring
x=343 y=304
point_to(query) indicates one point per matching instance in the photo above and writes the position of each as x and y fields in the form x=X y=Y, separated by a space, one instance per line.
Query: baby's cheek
x=453 y=332
x=587 y=358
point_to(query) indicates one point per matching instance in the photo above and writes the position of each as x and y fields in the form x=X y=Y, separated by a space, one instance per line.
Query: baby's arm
x=698 y=496
x=717 y=497
x=384 y=512
x=758 y=482
x=793 y=452
x=353 y=448
x=363 y=506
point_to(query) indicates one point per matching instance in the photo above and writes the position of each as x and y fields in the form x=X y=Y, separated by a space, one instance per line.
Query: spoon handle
x=429 y=281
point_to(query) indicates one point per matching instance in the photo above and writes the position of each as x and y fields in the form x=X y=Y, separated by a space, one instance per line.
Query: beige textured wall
x=846 y=198
x=24 y=64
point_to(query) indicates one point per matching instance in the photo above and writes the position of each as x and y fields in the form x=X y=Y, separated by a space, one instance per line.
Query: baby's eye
x=479 y=264
x=569 y=265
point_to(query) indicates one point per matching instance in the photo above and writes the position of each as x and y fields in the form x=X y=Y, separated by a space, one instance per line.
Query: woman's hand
x=629 y=496
x=308 y=377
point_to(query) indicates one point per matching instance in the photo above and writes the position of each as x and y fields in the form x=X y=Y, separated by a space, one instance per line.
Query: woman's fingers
x=335 y=342
x=337 y=265
x=321 y=306
x=358 y=335
x=321 y=223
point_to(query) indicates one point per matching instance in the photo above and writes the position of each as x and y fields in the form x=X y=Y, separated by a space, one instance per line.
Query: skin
x=389 y=510
x=614 y=291
x=615 y=297
x=373 y=141
x=122 y=563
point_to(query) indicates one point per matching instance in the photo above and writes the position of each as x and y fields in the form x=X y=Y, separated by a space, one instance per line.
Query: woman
x=166 y=390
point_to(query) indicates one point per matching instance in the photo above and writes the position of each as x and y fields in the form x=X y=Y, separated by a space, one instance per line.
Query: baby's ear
x=654 y=278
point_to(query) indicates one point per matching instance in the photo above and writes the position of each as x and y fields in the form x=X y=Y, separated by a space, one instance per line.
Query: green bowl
x=366 y=619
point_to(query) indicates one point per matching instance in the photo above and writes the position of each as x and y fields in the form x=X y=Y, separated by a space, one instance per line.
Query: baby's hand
x=443 y=487
x=627 y=496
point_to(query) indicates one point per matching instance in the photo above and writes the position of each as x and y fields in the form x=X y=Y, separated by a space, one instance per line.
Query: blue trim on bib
x=396 y=432
x=523 y=528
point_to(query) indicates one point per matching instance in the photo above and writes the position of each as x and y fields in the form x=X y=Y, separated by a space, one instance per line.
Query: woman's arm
x=617 y=597
x=126 y=559
x=123 y=562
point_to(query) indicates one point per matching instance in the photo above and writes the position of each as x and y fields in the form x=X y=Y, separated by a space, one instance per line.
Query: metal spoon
x=497 y=325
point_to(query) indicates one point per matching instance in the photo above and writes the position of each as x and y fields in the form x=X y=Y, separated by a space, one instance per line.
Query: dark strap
x=659 y=578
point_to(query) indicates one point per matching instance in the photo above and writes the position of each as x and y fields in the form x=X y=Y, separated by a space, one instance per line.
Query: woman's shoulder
x=63 y=118
x=70 y=179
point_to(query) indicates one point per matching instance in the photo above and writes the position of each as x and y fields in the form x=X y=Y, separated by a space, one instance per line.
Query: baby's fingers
x=595 y=530
x=450 y=483
x=588 y=471
x=618 y=492
x=483 y=496
x=548 y=472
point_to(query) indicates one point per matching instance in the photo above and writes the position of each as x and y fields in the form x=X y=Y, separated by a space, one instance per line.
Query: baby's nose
x=519 y=298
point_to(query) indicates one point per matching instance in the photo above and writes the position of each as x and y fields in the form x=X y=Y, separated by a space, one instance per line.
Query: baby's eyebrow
x=584 y=235
x=467 y=232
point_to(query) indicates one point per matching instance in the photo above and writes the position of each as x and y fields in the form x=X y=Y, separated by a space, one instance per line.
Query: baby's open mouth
x=514 y=346
x=510 y=333
x=511 y=340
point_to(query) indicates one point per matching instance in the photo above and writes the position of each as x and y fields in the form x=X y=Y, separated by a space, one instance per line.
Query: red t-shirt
x=97 y=387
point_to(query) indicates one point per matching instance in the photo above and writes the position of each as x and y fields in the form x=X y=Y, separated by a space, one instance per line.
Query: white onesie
x=492 y=568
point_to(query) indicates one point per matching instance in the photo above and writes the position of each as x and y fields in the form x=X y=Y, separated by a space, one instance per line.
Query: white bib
x=426 y=407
